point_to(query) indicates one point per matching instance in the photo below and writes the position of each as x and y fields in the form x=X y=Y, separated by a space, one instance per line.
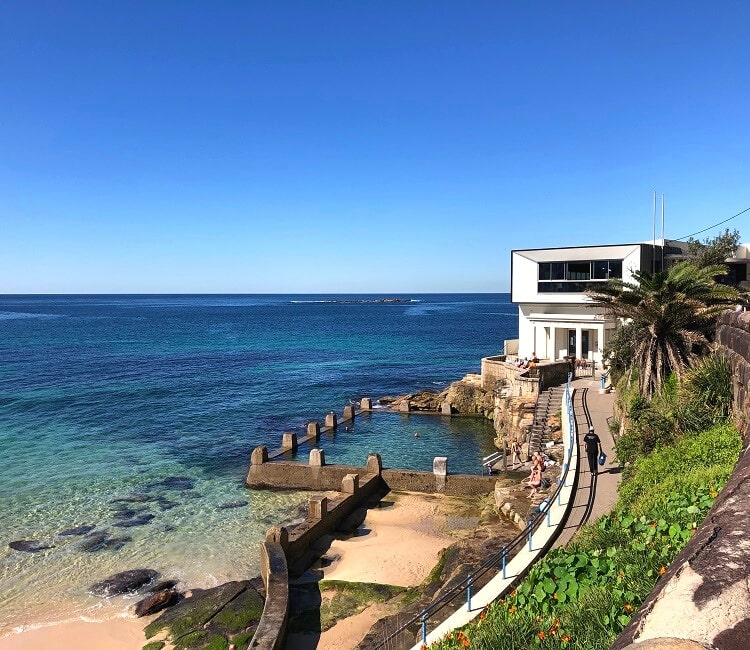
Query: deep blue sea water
x=103 y=397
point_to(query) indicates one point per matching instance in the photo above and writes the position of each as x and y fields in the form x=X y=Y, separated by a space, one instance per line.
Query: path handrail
x=501 y=557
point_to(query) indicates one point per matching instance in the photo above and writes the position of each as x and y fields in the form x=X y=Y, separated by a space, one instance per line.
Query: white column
x=600 y=340
x=579 y=354
x=552 y=343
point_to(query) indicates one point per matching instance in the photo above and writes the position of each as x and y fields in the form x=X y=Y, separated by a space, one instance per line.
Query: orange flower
x=565 y=637
x=542 y=635
x=628 y=607
x=511 y=609
x=483 y=615
x=513 y=593
x=662 y=571
x=713 y=495
x=553 y=631
x=620 y=575
x=465 y=642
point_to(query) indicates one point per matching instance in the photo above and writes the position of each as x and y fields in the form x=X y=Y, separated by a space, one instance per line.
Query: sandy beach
x=397 y=544
x=115 y=634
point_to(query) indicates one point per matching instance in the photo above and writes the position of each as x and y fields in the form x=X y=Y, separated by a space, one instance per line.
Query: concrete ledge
x=291 y=475
x=271 y=631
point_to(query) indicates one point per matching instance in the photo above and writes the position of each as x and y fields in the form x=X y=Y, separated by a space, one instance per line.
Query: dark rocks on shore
x=29 y=545
x=155 y=602
x=232 y=504
x=123 y=583
x=140 y=520
x=215 y=618
x=78 y=530
x=166 y=504
x=162 y=585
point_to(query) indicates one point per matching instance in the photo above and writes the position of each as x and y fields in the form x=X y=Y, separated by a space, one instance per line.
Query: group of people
x=527 y=362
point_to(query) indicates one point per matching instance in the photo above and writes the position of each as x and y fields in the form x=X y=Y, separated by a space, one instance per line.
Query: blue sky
x=356 y=146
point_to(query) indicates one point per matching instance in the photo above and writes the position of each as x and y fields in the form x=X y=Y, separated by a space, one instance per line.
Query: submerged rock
x=124 y=582
x=103 y=541
x=232 y=504
x=140 y=520
x=78 y=530
x=177 y=483
x=155 y=602
x=29 y=545
x=135 y=498
x=125 y=514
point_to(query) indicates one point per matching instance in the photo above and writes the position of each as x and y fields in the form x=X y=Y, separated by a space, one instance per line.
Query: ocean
x=122 y=409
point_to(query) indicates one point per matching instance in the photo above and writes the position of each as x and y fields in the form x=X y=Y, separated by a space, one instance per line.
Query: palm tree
x=671 y=317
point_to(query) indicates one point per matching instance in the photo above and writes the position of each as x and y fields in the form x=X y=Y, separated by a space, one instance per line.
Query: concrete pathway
x=590 y=405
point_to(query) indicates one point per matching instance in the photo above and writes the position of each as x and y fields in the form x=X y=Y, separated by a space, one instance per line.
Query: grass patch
x=350 y=598
x=339 y=600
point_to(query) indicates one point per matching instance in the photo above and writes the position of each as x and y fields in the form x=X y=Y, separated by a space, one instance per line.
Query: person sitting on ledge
x=535 y=480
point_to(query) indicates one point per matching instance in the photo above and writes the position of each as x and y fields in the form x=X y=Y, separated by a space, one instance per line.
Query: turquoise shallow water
x=102 y=398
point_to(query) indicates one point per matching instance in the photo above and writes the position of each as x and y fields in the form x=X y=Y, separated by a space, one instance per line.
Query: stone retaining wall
x=704 y=596
x=291 y=475
x=271 y=629
x=522 y=383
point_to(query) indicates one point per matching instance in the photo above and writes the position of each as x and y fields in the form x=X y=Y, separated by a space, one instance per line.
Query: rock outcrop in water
x=465 y=397
x=156 y=602
x=124 y=582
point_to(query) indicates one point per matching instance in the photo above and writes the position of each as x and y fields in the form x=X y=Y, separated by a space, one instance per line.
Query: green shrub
x=705 y=457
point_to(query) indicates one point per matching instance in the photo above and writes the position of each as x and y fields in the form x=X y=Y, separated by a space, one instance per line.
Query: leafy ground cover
x=581 y=596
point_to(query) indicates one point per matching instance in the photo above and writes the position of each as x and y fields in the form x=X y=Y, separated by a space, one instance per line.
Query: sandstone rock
x=124 y=582
x=155 y=602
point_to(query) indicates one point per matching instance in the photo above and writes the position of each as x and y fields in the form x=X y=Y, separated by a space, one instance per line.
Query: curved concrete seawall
x=704 y=598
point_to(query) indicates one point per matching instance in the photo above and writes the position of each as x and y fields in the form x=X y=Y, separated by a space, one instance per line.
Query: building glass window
x=576 y=276
x=579 y=270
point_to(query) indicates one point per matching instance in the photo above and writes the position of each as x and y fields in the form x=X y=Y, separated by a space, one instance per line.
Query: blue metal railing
x=499 y=559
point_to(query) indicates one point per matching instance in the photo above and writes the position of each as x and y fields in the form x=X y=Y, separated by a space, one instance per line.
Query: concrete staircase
x=548 y=404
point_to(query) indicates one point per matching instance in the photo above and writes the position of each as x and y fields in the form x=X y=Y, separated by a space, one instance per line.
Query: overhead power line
x=714 y=226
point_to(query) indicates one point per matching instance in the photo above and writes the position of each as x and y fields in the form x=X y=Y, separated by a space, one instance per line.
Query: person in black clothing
x=593 y=449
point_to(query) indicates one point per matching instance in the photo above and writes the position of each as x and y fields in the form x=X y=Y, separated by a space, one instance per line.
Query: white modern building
x=555 y=317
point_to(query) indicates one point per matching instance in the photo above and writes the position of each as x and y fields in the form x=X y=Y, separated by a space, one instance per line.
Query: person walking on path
x=593 y=449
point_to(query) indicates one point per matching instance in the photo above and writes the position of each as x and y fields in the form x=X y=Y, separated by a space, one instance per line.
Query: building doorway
x=572 y=351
